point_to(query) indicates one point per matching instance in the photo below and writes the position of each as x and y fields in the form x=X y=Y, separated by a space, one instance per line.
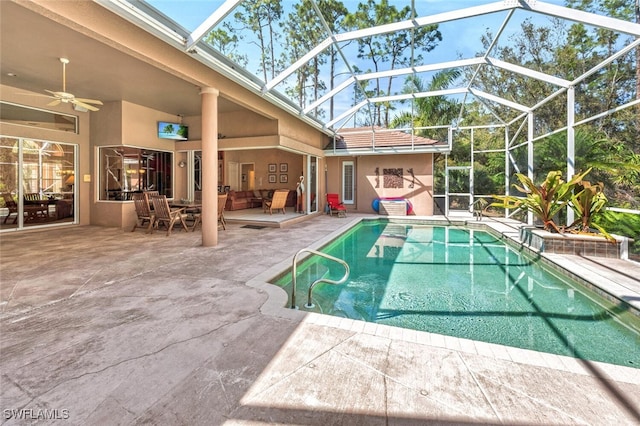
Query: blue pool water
x=469 y=284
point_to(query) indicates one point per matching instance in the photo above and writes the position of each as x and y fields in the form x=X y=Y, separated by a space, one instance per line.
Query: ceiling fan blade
x=84 y=105
x=89 y=101
x=54 y=103
x=35 y=94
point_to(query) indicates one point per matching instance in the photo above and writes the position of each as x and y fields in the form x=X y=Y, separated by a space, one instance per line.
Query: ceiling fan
x=65 y=97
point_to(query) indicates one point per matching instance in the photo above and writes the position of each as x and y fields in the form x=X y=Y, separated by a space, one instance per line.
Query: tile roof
x=378 y=138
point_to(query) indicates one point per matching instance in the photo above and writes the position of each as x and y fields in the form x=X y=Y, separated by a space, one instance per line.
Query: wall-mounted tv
x=175 y=131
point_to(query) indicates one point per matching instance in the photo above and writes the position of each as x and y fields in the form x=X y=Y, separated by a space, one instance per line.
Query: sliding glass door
x=37 y=183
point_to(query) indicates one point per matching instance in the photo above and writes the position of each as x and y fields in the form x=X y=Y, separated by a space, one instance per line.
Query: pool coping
x=276 y=302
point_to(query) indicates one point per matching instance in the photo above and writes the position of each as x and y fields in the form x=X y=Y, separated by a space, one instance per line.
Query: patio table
x=190 y=208
x=179 y=204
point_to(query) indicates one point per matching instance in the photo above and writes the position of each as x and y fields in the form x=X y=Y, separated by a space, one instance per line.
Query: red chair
x=333 y=201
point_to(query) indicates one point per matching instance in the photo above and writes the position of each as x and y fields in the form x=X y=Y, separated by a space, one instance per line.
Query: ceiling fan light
x=80 y=108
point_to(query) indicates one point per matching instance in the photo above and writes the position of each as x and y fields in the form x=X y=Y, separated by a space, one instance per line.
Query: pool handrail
x=294 y=268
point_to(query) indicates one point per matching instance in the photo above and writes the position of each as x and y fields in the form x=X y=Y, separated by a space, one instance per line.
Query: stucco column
x=209 y=166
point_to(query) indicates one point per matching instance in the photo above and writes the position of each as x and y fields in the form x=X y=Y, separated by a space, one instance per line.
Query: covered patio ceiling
x=317 y=70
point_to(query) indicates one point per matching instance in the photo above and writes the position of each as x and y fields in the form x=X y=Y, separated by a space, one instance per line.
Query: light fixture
x=182 y=164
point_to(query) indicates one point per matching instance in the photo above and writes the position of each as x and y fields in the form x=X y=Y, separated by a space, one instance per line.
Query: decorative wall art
x=284 y=168
x=273 y=168
x=392 y=178
x=273 y=178
x=284 y=178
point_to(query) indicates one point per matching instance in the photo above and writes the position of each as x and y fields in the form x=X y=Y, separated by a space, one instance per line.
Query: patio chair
x=143 y=210
x=222 y=200
x=148 y=195
x=335 y=205
x=35 y=207
x=11 y=205
x=163 y=214
x=479 y=208
x=278 y=202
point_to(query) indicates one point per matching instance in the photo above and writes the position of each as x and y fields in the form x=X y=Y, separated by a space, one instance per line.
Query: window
x=313 y=184
x=125 y=170
x=35 y=117
x=197 y=171
x=348 y=182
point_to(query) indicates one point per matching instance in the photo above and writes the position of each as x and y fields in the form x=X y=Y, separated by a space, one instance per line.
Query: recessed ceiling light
x=10 y=74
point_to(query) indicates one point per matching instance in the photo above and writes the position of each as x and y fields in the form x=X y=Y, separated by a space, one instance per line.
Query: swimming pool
x=466 y=283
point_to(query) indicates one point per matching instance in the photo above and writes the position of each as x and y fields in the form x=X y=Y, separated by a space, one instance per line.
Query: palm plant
x=429 y=110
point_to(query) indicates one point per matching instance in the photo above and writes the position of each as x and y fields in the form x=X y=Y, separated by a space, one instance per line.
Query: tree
x=262 y=17
x=304 y=20
x=226 y=41
x=392 y=49
x=625 y=10
x=533 y=48
x=334 y=13
x=431 y=110
x=569 y=51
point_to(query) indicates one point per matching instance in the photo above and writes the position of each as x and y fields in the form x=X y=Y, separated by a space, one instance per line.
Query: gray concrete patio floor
x=104 y=326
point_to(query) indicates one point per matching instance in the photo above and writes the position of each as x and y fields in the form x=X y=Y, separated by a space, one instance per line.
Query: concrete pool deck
x=104 y=326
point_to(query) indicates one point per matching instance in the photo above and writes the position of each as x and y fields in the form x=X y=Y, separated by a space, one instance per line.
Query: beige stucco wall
x=245 y=123
x=421 y=195
x=296 y=130
x=262 y=158
x=124 y=123
x=139 y=127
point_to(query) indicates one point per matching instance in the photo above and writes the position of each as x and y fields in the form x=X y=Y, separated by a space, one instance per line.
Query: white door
x=233 y=175
x=458 y=184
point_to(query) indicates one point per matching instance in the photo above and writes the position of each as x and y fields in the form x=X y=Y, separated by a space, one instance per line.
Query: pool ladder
x=320 y=280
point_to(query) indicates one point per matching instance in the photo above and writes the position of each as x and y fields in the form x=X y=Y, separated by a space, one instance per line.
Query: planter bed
x=576 y=244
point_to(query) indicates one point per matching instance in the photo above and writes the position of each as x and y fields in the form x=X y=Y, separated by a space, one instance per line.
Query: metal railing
x=294 y=268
